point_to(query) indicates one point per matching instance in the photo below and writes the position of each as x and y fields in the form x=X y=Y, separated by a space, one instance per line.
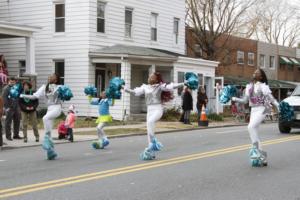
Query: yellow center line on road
x=118 y=171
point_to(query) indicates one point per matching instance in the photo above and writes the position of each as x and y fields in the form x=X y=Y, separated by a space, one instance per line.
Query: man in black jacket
x=12 y=110
x=28 y=111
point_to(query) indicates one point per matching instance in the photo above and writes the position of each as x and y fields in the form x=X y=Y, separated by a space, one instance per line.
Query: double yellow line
x=118 y=171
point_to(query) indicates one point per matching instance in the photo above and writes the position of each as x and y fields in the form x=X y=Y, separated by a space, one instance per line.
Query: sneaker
x=37 y=139
x=9 y=138
x=25 y=140
x=18 y=137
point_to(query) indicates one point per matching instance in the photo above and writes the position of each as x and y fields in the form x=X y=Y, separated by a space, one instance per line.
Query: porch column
x=152 y=69
x=126 y=75
x=30 y=56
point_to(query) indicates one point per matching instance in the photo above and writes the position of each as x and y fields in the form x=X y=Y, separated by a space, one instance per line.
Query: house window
x=101 y=17
x=176 y=29
x=59 y=17
x=128 y=22
x=154 y=26
x=272 y=62
x=262 y=61
x=22 y=67
x=240 y=57
x=60 y=70
x=180 y=79
x=251 y=59
x=198 y=51
x=200 y=79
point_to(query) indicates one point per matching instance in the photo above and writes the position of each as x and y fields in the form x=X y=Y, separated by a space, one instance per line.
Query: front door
x=100 y=80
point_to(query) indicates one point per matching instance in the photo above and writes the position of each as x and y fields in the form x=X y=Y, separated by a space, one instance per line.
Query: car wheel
x=283 y=128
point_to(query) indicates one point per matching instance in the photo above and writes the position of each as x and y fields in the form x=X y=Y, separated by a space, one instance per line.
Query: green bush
x=215 y=117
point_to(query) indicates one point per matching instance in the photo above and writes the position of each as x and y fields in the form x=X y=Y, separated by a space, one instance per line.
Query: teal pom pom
x=286 y=112
x=192 y=80
x=227 y=93
x=65 y=93
x=90 y=91
x=147 y=154
x=15 y=91
x=115 y=85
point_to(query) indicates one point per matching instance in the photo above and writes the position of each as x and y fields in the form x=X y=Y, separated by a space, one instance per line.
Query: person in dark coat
x=1 y=113
x=28 y=111
x=12 y=110
x=187 y=105
x=201 y=100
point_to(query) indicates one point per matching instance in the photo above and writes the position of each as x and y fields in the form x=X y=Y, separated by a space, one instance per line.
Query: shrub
x=171 y=114
x=215 y=117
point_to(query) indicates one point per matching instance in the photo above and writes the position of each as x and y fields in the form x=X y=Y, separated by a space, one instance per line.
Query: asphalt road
x=201 y=164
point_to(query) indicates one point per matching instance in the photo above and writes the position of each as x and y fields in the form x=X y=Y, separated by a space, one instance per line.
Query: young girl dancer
x=50 y=92
x=156 y=92
x=103 y=102
x=260 y=97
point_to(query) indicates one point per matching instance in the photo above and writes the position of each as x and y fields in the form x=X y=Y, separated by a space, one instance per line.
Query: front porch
x=134 y=64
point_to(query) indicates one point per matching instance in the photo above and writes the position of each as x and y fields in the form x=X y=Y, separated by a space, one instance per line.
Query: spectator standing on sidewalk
x=28 y=111
x=12 y=111
x=187 y=105
x=201 y=100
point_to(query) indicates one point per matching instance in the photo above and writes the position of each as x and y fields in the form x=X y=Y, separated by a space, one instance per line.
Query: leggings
x=154 y=113
x=53 y=112
x=256 y=118
x=100 y=131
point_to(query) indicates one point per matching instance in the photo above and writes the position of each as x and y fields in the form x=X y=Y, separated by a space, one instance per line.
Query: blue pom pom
x=90 y=91
x=65 y=93
x=286 y=112
x=227 y=93
x=115 y=85
x=192 y=80
x=15 y=91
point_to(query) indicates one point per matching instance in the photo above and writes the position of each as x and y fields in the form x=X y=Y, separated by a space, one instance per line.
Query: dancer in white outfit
x=156 y=92
x=260 y=97
x=50 y=92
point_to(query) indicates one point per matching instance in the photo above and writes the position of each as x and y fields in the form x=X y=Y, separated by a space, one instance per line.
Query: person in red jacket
x=70 y=122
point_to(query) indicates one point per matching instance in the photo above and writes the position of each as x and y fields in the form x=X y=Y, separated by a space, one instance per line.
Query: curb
x=135 y=134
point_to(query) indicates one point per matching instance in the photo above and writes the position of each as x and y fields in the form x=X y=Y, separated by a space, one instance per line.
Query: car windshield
x=296 y=91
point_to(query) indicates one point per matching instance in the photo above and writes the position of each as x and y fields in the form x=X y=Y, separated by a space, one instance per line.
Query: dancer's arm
x=94 y=101
x=111 y=102
x=138 y=91
x=38 y=94
x=171 y=86
x=245 y=98
x=268 y=94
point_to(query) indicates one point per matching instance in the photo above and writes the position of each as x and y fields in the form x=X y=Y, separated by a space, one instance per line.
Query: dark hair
x=57 y=82
x=27 y=83
x=264 y=78
x=165 y=95
x=12 y=78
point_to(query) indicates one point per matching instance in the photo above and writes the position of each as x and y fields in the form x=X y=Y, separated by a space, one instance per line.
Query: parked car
x=294 y=101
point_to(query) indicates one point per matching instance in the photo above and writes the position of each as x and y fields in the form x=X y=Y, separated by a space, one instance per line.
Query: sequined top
x=153 y=92
x=258 y=94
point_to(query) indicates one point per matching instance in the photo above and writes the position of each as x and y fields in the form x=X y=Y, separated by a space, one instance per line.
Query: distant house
x=89 y=42
x=240 y=57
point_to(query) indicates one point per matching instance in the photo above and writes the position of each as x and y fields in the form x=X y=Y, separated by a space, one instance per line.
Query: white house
x=89 y=41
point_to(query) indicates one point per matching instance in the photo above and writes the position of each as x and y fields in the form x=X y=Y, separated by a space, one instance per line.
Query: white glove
x=233 y=98
x=21 y=96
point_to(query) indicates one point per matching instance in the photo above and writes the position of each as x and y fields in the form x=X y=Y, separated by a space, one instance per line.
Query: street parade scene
x=144 y=99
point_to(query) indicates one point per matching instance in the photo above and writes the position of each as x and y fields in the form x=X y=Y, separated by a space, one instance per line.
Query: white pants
x=154 y=113
x=256 y=118
x=100 y=131
x=53 y=112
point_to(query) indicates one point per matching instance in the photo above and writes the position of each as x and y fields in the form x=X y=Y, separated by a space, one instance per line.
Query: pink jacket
x=70 y=120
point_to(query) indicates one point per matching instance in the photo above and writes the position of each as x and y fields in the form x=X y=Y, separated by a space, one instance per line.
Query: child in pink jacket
x=70 y=122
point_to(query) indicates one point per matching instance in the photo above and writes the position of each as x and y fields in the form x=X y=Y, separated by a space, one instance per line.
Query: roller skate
x=147 y=154
x=100 y=144
x=155 y=145
x=49 y=147
x=258 y=158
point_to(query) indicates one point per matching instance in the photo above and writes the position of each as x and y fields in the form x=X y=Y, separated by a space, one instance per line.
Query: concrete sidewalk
x=88 y=134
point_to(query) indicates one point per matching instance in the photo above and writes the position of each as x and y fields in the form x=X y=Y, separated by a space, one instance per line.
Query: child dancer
x=50 y=92
x=260 y=97
x=70 y=122
x=156 y=92
x=103 y=102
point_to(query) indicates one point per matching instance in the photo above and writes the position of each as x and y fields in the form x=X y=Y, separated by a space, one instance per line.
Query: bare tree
x=278 y=22
x=215 y=20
